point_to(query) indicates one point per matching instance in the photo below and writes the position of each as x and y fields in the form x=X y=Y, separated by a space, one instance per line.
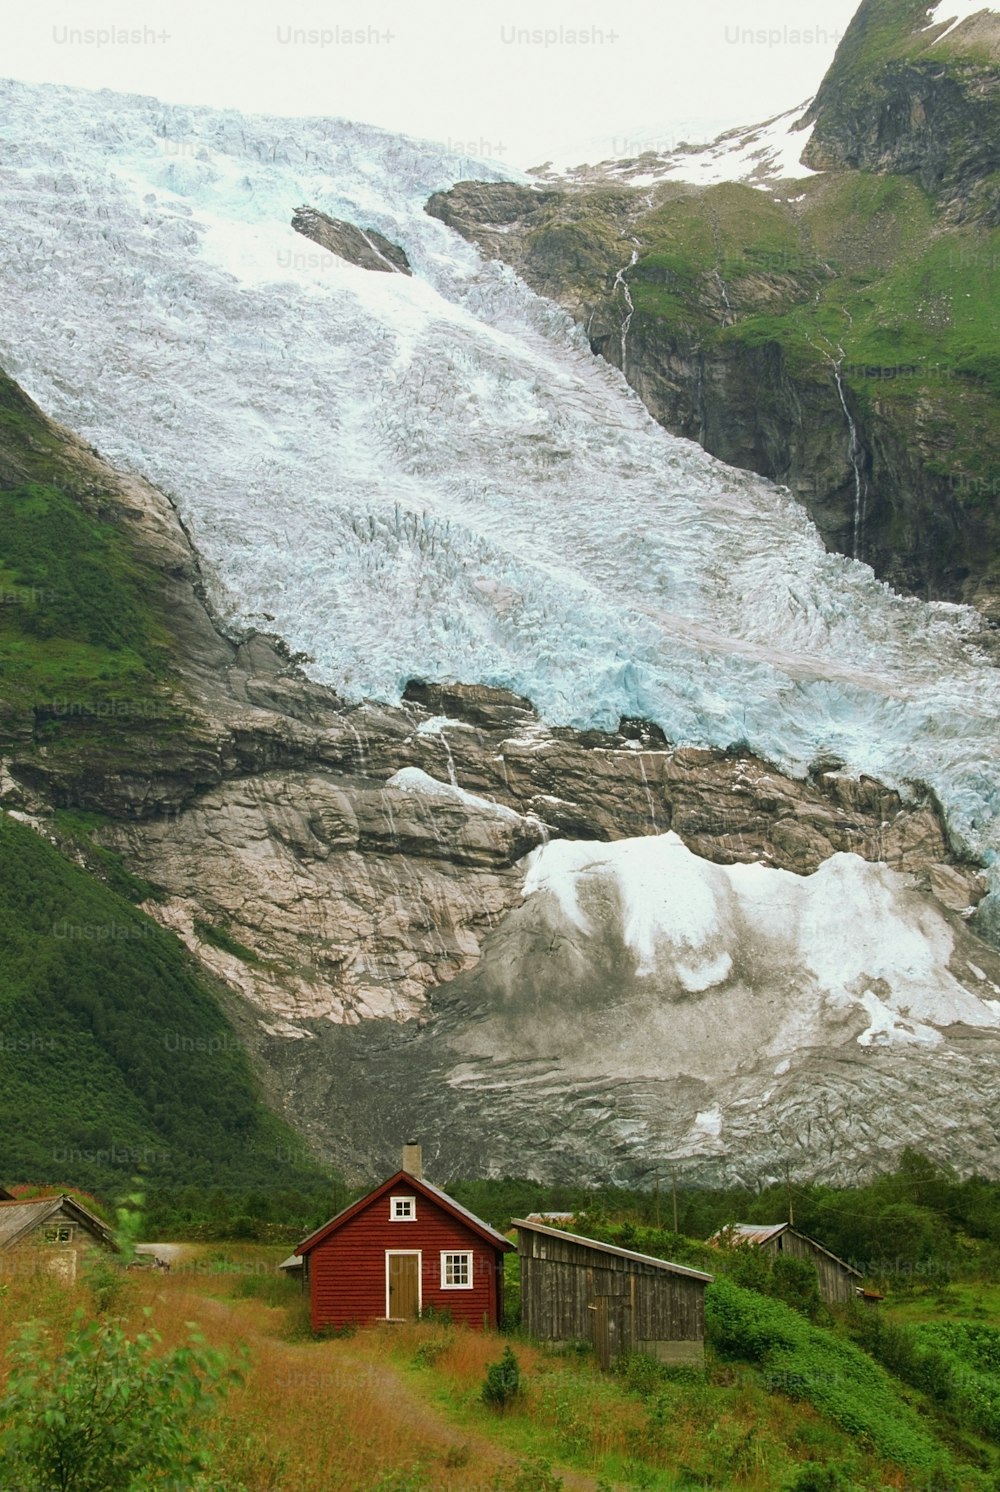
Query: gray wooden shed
x=576 y=1289
x=838 y=1280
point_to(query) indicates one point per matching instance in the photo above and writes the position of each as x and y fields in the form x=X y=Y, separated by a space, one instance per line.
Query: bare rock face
x=365 y=247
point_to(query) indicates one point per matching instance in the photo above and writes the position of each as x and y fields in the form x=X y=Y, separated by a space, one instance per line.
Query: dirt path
x=383 y=1385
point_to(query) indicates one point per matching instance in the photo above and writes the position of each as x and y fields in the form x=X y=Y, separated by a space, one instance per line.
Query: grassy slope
x=859 y=268
x=400 y=1410
x=84 y=651
x=115 y=1058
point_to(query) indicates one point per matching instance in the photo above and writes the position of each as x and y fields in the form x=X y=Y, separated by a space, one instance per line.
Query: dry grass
x=398 y=1408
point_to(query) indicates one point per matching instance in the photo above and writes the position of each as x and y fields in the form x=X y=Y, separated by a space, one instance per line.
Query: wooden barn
x=838 y=1282
x=400 y=1250
x=49 y=1235
x=576 y=1289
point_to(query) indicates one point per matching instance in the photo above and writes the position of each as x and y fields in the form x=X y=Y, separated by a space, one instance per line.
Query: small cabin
x=838 y=1281
x=576 y=1289
x=404 y=1249
x=50 y=1235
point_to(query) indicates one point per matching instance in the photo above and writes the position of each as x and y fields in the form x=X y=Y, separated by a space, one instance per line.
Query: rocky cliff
x=836 y=331
x=911 y=92
x=356 y=878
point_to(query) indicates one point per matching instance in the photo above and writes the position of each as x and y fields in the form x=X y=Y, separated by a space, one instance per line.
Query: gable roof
x=415 y=1185
x=611 y=1248
x=761 y=1233
x=748 y=1232
x=18 y=1218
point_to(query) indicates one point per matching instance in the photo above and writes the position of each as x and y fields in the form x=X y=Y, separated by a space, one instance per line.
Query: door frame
x=417 y=1254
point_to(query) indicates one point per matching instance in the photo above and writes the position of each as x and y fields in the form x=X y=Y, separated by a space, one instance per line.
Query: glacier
x=432 y=476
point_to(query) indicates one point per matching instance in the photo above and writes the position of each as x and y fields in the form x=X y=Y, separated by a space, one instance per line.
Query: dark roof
x=5 y=1195
x=762 y=1233
x=422 y=1188
x=610 y=1248
x=20 y=1217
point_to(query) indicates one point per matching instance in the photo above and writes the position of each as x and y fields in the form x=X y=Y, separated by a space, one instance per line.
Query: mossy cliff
x=838 y=333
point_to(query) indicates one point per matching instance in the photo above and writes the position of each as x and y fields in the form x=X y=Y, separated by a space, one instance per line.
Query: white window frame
x=393 y=1215
x=467 y=1254
x=417 y=1254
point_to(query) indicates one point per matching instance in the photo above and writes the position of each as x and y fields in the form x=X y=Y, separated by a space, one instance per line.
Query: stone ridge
x=365 y=247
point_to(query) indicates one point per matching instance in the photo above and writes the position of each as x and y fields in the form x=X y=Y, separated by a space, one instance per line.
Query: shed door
x=404 y=1286
x=612 y=1327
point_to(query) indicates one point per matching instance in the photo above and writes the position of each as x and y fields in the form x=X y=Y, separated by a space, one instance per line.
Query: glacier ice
x=432 y=476
x=742 y=934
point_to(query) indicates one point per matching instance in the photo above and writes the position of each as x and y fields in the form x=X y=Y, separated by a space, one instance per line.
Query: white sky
x=651 y=75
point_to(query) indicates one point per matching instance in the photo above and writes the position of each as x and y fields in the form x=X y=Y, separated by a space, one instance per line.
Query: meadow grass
x=400 y=1409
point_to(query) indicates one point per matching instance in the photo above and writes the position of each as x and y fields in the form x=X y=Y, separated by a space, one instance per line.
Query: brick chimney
x=413 y=1160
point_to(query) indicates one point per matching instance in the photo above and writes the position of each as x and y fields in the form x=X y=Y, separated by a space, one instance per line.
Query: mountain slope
x=834 y=331
x=912 y=92
x=367 y=915
x=418 y=480
x=117 y=1059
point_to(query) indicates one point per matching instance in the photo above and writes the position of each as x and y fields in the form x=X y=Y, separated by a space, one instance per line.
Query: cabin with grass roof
x=49 y=1235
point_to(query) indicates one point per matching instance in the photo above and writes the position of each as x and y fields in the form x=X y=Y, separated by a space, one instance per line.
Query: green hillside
x=115 y=1057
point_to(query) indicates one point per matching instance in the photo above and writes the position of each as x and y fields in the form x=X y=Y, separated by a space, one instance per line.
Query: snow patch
x=413 y=780
x=440 y=723
x=709 y=1122
x=852 y=937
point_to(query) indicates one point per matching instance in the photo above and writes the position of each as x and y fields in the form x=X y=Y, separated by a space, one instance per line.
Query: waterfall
x=854 y=455
x=452 y=777
x=620 y=281
x=727 y=315
x=649 y=795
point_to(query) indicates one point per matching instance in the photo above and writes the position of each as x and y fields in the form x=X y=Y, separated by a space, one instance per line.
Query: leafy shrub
x=807 y=1362
x=430 y=1351
x=796 y=1282
x=107 y=1414
x=535 y=1475
x=821 y=1476
x=503 y=1381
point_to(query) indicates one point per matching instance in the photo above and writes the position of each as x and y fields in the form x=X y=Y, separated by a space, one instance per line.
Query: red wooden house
x=403 y=1248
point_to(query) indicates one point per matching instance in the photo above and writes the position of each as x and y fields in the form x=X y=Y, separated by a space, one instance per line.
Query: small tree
x=503 y=1381
x=107 y=1414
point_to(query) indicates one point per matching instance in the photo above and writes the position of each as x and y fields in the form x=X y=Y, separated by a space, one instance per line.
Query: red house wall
x=347 y=1272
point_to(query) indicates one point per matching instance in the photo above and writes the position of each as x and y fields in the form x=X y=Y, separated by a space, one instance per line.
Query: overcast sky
x=524 y=83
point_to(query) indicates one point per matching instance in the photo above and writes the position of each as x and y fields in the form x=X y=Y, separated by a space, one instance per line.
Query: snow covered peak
x=955 y=11
x=759 y=154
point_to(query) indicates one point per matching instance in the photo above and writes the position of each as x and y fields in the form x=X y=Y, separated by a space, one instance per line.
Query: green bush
x=503 y=1381
x=806 y=1362
x=796 y=1283
x=108 y=1414
x=821 y=1476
